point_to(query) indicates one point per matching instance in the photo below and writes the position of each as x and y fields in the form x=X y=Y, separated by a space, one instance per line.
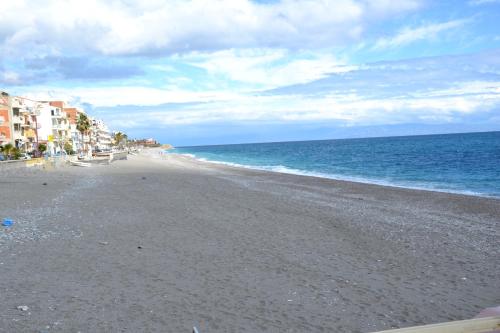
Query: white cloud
x=10 y=77
x=378 y=93
x=142 y=27
x=128 y=95
x=267 y=68
x=482 y=2
x=435 y=106
x=409 y=35
x=352 y=110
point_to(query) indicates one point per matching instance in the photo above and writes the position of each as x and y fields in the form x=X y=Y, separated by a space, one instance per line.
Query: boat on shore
x=80 y=164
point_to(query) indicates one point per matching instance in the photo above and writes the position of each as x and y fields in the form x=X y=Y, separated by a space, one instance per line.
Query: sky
x=211 y=72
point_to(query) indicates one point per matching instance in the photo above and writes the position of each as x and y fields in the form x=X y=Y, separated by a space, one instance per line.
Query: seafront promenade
x=164 y=242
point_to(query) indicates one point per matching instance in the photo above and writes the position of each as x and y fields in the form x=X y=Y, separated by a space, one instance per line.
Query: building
x=24 y=123
x=60 y=129
x=146 y=142
x=45 y=134
x=54 y=128
x=5 y=119
x=101 y=137
x=72 y=115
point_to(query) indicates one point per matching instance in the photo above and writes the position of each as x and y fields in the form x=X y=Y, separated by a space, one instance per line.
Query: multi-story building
x=5 y=119
x=60 y=128
x=101 y=137
x=72 y=114
x=54 y=128
x=24 y=123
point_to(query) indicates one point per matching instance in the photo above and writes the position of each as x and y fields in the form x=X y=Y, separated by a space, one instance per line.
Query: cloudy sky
x=208 y=71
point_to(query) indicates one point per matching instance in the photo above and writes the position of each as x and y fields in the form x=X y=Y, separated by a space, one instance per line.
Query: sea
x=466 y=163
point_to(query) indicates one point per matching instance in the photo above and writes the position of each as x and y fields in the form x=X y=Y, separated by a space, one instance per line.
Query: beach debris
x=103 y=243
x=143 y=178
x=464 y=278
x=139 y=247
x=195 y=330
x=7 y=222
x=23 y=308
x=44 y=183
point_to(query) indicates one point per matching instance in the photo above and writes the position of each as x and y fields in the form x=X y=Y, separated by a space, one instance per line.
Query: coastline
x=231 y=249
x=346 y=179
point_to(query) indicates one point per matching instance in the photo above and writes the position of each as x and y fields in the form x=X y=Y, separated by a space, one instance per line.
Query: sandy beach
x=165 y=243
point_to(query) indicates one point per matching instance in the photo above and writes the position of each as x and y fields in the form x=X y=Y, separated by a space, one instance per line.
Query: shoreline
x=301 y=173
x=155 y=244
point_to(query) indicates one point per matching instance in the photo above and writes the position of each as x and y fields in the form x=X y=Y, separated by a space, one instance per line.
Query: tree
x=16 y=153
x=83 y=125
x=68 y=148
x=42 y=148
x=119 y=138
x=7 y=150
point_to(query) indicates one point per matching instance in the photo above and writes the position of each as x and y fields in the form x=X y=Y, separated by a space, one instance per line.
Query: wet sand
x=161 y=244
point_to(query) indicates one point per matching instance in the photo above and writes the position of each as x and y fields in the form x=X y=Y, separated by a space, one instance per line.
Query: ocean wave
x=356 y=179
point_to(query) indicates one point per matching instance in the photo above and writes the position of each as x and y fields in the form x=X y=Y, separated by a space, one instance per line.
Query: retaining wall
x=51 y=162
x=118 y=156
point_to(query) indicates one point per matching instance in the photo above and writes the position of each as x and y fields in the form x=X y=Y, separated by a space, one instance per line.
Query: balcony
x=60 y=128
x=16 y=103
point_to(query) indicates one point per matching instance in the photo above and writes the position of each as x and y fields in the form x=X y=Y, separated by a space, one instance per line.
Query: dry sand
x=161 y=245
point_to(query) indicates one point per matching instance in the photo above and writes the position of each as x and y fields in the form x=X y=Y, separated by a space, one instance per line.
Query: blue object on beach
x=7 y=222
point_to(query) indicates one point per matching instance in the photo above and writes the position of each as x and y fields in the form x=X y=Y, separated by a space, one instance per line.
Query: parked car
x=25 y=156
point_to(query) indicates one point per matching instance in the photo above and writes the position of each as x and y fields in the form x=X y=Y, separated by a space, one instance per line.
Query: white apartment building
x=54 y=128
x=101 y=137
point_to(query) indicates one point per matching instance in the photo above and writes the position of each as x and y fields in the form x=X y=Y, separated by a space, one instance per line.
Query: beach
x=162 y=243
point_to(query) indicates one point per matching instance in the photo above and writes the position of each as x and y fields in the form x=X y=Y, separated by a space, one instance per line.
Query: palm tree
x=119 y=138
x=83 y=125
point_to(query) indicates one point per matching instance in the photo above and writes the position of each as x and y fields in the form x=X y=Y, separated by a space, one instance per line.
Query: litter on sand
x=7 y=222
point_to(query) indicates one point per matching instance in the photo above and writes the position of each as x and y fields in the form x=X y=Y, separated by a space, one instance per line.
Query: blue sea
x=459 y=163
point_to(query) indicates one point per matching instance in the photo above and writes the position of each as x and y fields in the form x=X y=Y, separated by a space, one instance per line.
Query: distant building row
x=26 y=123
